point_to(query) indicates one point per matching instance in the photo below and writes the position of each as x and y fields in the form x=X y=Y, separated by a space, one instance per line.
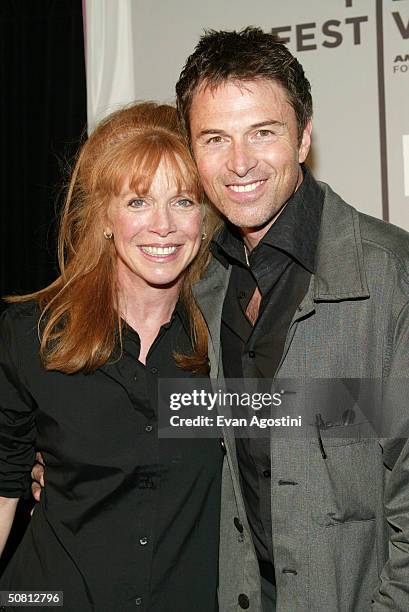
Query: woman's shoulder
x=21 y=317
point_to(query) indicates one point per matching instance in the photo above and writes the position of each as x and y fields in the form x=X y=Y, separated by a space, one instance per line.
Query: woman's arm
x=8 y=507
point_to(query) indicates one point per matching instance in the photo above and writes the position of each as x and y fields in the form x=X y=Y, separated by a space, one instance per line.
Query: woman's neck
x=146 y=308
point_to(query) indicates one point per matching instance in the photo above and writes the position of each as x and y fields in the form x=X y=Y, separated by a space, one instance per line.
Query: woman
x=125 y=519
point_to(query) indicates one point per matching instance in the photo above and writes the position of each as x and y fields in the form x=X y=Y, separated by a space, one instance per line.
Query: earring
x=204 y=236
x=108 y=235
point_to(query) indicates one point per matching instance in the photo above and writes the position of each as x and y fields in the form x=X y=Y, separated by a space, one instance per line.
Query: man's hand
x=37 y=474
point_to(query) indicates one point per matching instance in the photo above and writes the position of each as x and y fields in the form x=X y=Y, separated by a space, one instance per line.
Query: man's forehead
x=238 y=96
x=241 y=85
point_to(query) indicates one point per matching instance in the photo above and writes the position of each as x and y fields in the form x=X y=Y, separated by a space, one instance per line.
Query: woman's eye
x=136 y=203
x=184 y=203
x=214 y=140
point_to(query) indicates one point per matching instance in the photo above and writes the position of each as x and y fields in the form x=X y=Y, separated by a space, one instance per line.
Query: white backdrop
x=355 y=53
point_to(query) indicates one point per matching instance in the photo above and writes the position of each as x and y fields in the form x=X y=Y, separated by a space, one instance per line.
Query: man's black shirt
x=280 y=266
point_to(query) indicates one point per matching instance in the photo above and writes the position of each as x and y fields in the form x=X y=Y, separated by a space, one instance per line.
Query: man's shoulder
x=385 y=236
x=379 y=238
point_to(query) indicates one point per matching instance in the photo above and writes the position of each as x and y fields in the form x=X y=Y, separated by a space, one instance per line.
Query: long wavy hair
x=80 y=324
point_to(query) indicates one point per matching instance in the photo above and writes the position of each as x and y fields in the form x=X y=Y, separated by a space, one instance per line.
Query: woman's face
x=157 y=235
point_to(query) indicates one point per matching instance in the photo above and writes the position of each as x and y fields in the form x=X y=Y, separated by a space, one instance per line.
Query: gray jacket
x=341 y=533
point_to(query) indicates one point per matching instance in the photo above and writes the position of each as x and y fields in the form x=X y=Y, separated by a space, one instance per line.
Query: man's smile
x=239 y=188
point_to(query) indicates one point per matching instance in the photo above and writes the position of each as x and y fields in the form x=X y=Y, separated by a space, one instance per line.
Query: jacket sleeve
x=17 y=423
x=392 y=593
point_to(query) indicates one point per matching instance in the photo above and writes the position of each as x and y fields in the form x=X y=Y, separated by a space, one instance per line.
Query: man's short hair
x=246 y=55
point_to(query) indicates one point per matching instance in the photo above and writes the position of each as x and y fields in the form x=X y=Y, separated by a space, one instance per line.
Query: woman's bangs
x=135 y=163
x=143 y=166
x=182 y=172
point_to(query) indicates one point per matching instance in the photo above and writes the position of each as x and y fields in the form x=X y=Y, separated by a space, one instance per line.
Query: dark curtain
x=43 y=114
x=43 y=118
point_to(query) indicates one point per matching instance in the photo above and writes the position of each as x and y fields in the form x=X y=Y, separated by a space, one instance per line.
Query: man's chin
x=248 y=222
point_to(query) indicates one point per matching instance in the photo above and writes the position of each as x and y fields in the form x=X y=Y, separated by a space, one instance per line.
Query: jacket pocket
x=347 y=485
x=343 y=568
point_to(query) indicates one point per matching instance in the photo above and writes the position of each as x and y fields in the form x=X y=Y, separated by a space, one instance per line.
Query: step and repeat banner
x=355 y=53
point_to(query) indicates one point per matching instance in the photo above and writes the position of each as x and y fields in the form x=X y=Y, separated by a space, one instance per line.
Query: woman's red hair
x=80 y=323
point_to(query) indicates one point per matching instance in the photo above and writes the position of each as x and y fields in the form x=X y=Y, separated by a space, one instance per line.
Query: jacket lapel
x=210 y=292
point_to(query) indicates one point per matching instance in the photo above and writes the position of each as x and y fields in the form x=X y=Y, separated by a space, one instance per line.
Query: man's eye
x=136 y=203
x=264 y=133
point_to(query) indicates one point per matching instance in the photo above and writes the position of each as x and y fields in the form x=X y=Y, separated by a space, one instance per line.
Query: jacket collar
x=339 y=275
x=340 y=272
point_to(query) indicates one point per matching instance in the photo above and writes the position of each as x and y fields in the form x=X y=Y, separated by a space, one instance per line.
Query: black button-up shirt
x=125 y=519
x=280 y=266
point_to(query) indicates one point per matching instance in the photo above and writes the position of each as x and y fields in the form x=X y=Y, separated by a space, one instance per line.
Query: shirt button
x=244 y=601
x=154 y=370
x=238 y=524
x=223 y=445
x=252 y=354
x=138 y=601
x=148 y=428
x=143 y=541
x=267 y=473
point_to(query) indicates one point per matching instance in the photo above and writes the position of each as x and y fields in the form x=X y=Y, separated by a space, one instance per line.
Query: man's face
x=245 y=142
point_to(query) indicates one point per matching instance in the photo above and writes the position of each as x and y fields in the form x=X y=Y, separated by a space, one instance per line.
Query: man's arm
x=8 y=507
x=392 y=594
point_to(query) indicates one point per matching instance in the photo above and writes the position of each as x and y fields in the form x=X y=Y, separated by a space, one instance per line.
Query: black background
x=43 y=119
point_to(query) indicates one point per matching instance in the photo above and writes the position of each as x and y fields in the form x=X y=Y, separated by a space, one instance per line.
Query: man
x=303 y=286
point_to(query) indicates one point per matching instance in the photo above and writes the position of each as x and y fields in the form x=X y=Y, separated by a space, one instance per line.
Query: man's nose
x=162 y=222
x=241 y=159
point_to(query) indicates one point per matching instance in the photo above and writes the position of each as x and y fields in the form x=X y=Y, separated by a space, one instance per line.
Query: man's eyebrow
x=211 y=131
x=253 y=126
x=266 y=123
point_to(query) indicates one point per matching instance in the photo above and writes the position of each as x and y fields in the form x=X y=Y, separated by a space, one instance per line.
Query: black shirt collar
x=295 y=232
x=180 y=313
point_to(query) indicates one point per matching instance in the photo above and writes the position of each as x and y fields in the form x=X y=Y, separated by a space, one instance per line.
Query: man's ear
x=305 y=143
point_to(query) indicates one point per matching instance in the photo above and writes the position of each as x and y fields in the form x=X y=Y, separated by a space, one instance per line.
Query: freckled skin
x=246 y=134
x=162 y=218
